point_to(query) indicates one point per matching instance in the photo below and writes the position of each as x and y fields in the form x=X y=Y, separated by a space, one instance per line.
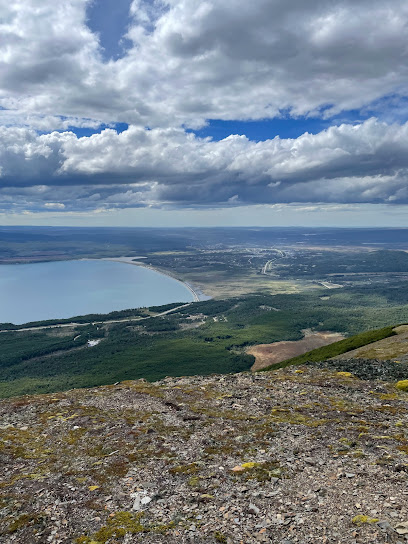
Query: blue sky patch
x=110 y=19
x=284 y=127
x=81 y=132
x=262 y=130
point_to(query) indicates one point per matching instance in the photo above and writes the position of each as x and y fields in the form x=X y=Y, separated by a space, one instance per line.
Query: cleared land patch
x=270 y=354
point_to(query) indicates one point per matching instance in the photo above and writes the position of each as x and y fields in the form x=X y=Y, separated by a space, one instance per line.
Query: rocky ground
x=368 y=369
x=301 y=455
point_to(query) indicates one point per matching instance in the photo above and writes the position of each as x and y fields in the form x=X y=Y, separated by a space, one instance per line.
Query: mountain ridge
x=288 y=456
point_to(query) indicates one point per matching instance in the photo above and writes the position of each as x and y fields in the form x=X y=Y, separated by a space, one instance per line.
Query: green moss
x=192 y=468
x=220 y=537
x=220 y=449
x=194 y=481
x=24 y=520
x=24 y=444
x=347 y=442
x=289 y=416
x=262 y=472
x=122 y=524
x=358 y=453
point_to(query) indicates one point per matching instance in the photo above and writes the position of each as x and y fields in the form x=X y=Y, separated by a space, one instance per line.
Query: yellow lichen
x=249 y=465
x=402 y=385
x=361 y=520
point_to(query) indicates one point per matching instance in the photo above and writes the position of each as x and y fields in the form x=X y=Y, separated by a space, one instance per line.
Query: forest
x=201 y=338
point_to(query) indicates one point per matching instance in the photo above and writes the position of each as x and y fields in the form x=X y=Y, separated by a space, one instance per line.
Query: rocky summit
x=300 y=455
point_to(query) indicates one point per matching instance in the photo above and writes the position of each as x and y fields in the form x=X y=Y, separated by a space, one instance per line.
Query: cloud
x=54 y=206
x=190 y=60
x=187 y=62
x=365 y=163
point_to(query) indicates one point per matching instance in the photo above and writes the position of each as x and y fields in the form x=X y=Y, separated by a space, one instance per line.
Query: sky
x=204 y=112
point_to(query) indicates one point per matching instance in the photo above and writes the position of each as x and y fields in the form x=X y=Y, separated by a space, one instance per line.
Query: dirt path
x=270 y=354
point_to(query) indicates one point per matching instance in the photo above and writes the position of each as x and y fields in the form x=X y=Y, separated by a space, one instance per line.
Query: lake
x=33 y=292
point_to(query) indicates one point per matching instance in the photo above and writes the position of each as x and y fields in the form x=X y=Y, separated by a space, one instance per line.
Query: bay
x=63 y=289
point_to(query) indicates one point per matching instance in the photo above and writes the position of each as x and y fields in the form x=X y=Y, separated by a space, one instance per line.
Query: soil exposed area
x=270 y=354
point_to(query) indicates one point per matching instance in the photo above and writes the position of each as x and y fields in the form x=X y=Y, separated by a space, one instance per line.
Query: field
x=238 y=271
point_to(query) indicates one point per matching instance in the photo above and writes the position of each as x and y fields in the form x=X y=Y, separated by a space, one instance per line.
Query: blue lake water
x=33 y=292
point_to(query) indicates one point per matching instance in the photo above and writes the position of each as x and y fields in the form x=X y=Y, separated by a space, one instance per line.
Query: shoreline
x=198 y=294
x=129 y=260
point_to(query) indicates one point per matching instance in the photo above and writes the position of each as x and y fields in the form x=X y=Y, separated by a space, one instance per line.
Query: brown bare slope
x=269 y=354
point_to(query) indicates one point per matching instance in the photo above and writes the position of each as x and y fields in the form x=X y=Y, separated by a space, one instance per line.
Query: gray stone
x=385 y=526
x=141 y=500
x=402 y=528
x=253 y=509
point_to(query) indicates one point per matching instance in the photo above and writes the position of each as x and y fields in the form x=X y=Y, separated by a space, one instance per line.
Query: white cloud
x=366 y=163
x=54 y=205
x=193 y=60
x=190 y=61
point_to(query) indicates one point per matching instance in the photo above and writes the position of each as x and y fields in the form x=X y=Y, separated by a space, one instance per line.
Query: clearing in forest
x=270 y=354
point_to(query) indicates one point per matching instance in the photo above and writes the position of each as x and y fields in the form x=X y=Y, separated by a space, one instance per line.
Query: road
x=329 y=285
x=73 y=324
x=269 y=263
x=265 y=268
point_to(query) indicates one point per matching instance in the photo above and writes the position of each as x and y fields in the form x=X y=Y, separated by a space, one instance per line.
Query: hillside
x=280 y=457
x=395 y=347
x=200 y=338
